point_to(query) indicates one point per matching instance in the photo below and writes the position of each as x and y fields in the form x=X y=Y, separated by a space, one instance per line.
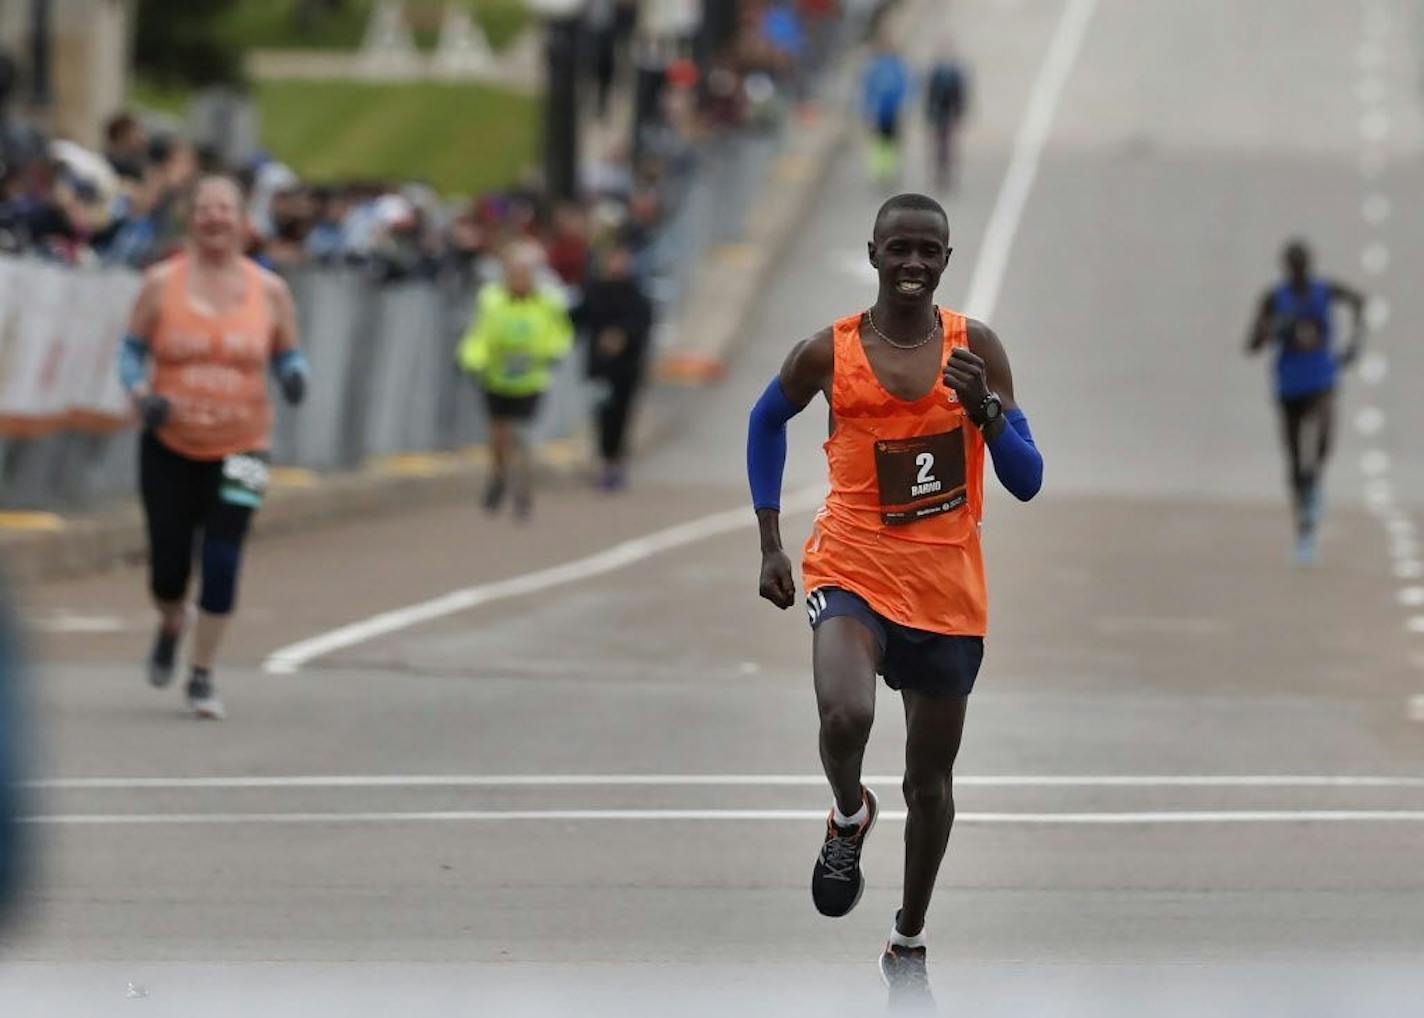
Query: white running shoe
x=202 y=701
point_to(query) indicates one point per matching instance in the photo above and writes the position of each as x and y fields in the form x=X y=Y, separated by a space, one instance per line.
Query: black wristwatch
x=990 y=410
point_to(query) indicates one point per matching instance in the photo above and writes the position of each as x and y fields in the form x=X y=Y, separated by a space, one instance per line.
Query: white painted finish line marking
x=1412 y=597
x=733 y=781
x=626 y=553
x=726 y=815
x=1029 y=143
x=1369 y=420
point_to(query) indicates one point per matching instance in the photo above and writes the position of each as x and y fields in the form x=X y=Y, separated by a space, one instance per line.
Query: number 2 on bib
x=920 y=477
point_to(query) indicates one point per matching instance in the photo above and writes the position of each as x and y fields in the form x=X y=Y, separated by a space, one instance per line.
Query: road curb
x=79 y=545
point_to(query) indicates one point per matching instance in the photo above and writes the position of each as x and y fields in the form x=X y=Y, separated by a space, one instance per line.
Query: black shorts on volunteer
x=184 y=496
x=935 y=664
x=512 y=408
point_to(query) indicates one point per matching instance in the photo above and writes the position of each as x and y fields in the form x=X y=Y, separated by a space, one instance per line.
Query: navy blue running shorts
x=935 y=664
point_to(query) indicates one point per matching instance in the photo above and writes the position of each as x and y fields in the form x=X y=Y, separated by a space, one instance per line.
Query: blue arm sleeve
x=766 y=445
x=1017 y=460
x=288 y=362
x=133 y=358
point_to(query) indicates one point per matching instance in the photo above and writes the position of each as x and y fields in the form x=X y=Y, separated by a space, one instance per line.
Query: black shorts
x=1297 y=407
x=511 y=408
x=936 y=664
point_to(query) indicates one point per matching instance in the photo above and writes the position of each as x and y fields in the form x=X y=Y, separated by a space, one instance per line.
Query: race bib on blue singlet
x=244 y=479
x=920 y=477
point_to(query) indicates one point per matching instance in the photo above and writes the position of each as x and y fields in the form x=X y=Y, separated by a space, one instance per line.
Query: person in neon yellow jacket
x=518 y=334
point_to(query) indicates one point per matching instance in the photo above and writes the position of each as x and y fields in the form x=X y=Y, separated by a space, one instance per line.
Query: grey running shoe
x=836 y=881
x=903 y=971
x=201 y=699
x=163 y=658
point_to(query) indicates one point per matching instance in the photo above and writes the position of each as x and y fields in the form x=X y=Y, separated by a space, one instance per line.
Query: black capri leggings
x=180 y=498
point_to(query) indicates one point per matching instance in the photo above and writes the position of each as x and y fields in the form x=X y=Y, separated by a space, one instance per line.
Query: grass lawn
x=273 y=24
x=459 y=138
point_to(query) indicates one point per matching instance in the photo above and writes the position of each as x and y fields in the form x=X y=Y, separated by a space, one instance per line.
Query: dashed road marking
x=1374 y=462
x=1375 y=208
x=1374 y=259
x=1374 y=368
x=1377 y=313
x=1369 y=420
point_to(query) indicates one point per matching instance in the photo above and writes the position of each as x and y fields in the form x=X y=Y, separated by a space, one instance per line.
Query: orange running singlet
x=213 y=369
x=900 y=526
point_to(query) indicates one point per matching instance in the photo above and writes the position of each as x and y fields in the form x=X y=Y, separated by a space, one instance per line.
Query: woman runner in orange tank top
x=893 y=567
x=206 y=328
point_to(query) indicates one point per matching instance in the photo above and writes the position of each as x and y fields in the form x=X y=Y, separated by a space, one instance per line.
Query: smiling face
x=217 y=220
x=909 y=251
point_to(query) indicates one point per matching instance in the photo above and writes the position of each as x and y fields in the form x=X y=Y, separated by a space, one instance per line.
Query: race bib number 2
x=920 y=477
x=244 y=479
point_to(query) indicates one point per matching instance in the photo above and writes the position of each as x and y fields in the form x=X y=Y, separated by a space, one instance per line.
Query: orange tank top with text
x=900 y=526
x=213 y=368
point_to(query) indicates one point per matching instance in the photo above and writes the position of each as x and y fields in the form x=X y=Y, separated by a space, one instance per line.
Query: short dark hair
x=119 y=126
x=910 y=202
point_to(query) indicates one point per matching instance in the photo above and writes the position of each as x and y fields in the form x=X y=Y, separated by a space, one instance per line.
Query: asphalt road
x=1193 y=774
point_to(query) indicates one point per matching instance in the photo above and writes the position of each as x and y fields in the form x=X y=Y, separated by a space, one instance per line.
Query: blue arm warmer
x=766 y=445
x=1017 y=460
x=133 y=358
x=287 y=362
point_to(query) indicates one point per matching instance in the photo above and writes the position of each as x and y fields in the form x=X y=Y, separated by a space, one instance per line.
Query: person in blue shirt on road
x=1295 y=317
x=885 y=91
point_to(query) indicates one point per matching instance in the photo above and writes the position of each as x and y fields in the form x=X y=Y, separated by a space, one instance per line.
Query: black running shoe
x=523 y=506
x=494 y=494
x=905 y=976
x=163 y=658
x=836 y=882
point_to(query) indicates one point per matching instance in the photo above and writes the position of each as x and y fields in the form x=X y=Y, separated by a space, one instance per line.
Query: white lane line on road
x=1415 y=624
x=289 y=659
x=1370 y=89
x=1374 y=259
x=1375 y=208
x=737 y=781
x=74 y=624
x=1374 y=126
x=725 y=815
x=1411 y=597
x=1023 y=164
x=1370 y=55
x=1372 y=163
x=1374 y=462
x=1408 y=569
x=1416 y=707
x=1369 y=420
x=1377 y=313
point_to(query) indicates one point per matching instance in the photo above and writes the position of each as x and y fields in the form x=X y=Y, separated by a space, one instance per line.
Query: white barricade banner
x=60 y=330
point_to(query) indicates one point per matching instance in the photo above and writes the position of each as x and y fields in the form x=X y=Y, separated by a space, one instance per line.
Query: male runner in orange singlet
x=893 y=567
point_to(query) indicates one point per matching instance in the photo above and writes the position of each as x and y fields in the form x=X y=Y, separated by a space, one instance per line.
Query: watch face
x=992 y=408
